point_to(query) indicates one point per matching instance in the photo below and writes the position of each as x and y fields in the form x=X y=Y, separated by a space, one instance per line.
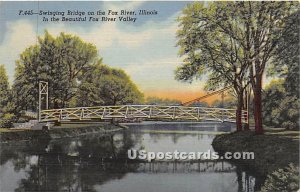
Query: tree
x=107 y=86
x=200 y=104
x=283 y=180
x=4 y=89
x=274 y=93
x=233 y=41
x=60 y=61
x=287 y=55
x=279 y=108
x=284 y=112
x=210 y=51
x=265 y=25
x=163 y=101
x=227 y=103
x=6 y=106
x=288 y=112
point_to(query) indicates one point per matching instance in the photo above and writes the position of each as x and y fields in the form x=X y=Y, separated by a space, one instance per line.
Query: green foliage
x=209 y=40
x=272 y=97
x=4 y=89
x=272 y=151
x=208 y=49
x=228 y=103
x=280 y=108
x=283 y=180
x=107 y=86
x=232 y=43
x=162 y=101
x=281 y=99
x=286 y=61
x=60 y=61
x=200 y=104
x=6 y=106
x=72 y=68
x=222 y=39
x=6 y=120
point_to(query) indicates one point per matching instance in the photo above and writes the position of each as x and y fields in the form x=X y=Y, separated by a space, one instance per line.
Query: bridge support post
x=43 y=90
x=222 y=96
x=248 y=97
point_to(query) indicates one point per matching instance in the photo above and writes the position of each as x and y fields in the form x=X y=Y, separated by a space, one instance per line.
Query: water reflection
x=97 y=163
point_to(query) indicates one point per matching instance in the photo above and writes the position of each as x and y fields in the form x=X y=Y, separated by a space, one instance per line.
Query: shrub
x=6 y=121
x=283 y=180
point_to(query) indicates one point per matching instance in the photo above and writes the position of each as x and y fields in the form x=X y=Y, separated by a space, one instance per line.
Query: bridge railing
x=141 y=111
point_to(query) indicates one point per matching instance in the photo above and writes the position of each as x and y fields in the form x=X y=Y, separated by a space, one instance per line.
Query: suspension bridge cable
x=206 y=96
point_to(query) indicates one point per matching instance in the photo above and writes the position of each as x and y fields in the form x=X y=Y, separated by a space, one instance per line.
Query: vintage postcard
x=149 y=96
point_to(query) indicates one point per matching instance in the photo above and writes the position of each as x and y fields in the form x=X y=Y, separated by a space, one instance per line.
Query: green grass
x=281 y=132
x=273 y=150
x=63 y=125
x=4 y=130
x=7 y=130
x=79 y=125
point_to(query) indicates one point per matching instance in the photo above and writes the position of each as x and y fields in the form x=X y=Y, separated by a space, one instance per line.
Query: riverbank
x=63 y=131
x=274 y=150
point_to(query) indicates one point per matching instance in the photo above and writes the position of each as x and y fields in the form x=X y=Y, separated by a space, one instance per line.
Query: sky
x=146 y=49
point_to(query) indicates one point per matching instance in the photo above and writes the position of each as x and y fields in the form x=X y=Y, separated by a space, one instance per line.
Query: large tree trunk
x=239 y=125
x=258 y=106
x=246 y=125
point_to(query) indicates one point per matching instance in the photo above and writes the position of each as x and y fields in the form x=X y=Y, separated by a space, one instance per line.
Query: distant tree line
x=161 y=101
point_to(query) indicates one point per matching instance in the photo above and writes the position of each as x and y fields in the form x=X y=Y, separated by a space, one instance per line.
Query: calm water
x=97 y=163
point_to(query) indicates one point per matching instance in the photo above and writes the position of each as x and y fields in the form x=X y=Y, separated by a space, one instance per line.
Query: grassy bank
x=65 y=130
x=274 y=151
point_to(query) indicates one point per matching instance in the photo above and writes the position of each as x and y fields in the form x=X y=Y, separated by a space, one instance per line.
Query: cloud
x=108 y=34
x=105 y=35
x=134 y=48
x=20 y=35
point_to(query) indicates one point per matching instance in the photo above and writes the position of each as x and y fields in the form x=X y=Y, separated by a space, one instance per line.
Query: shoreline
x=66 y=131
x=273 y=151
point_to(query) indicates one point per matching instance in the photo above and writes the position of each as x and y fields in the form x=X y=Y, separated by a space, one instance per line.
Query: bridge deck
x=141 y=111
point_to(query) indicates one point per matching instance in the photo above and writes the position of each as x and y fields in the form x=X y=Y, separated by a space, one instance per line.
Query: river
x=100 y=163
